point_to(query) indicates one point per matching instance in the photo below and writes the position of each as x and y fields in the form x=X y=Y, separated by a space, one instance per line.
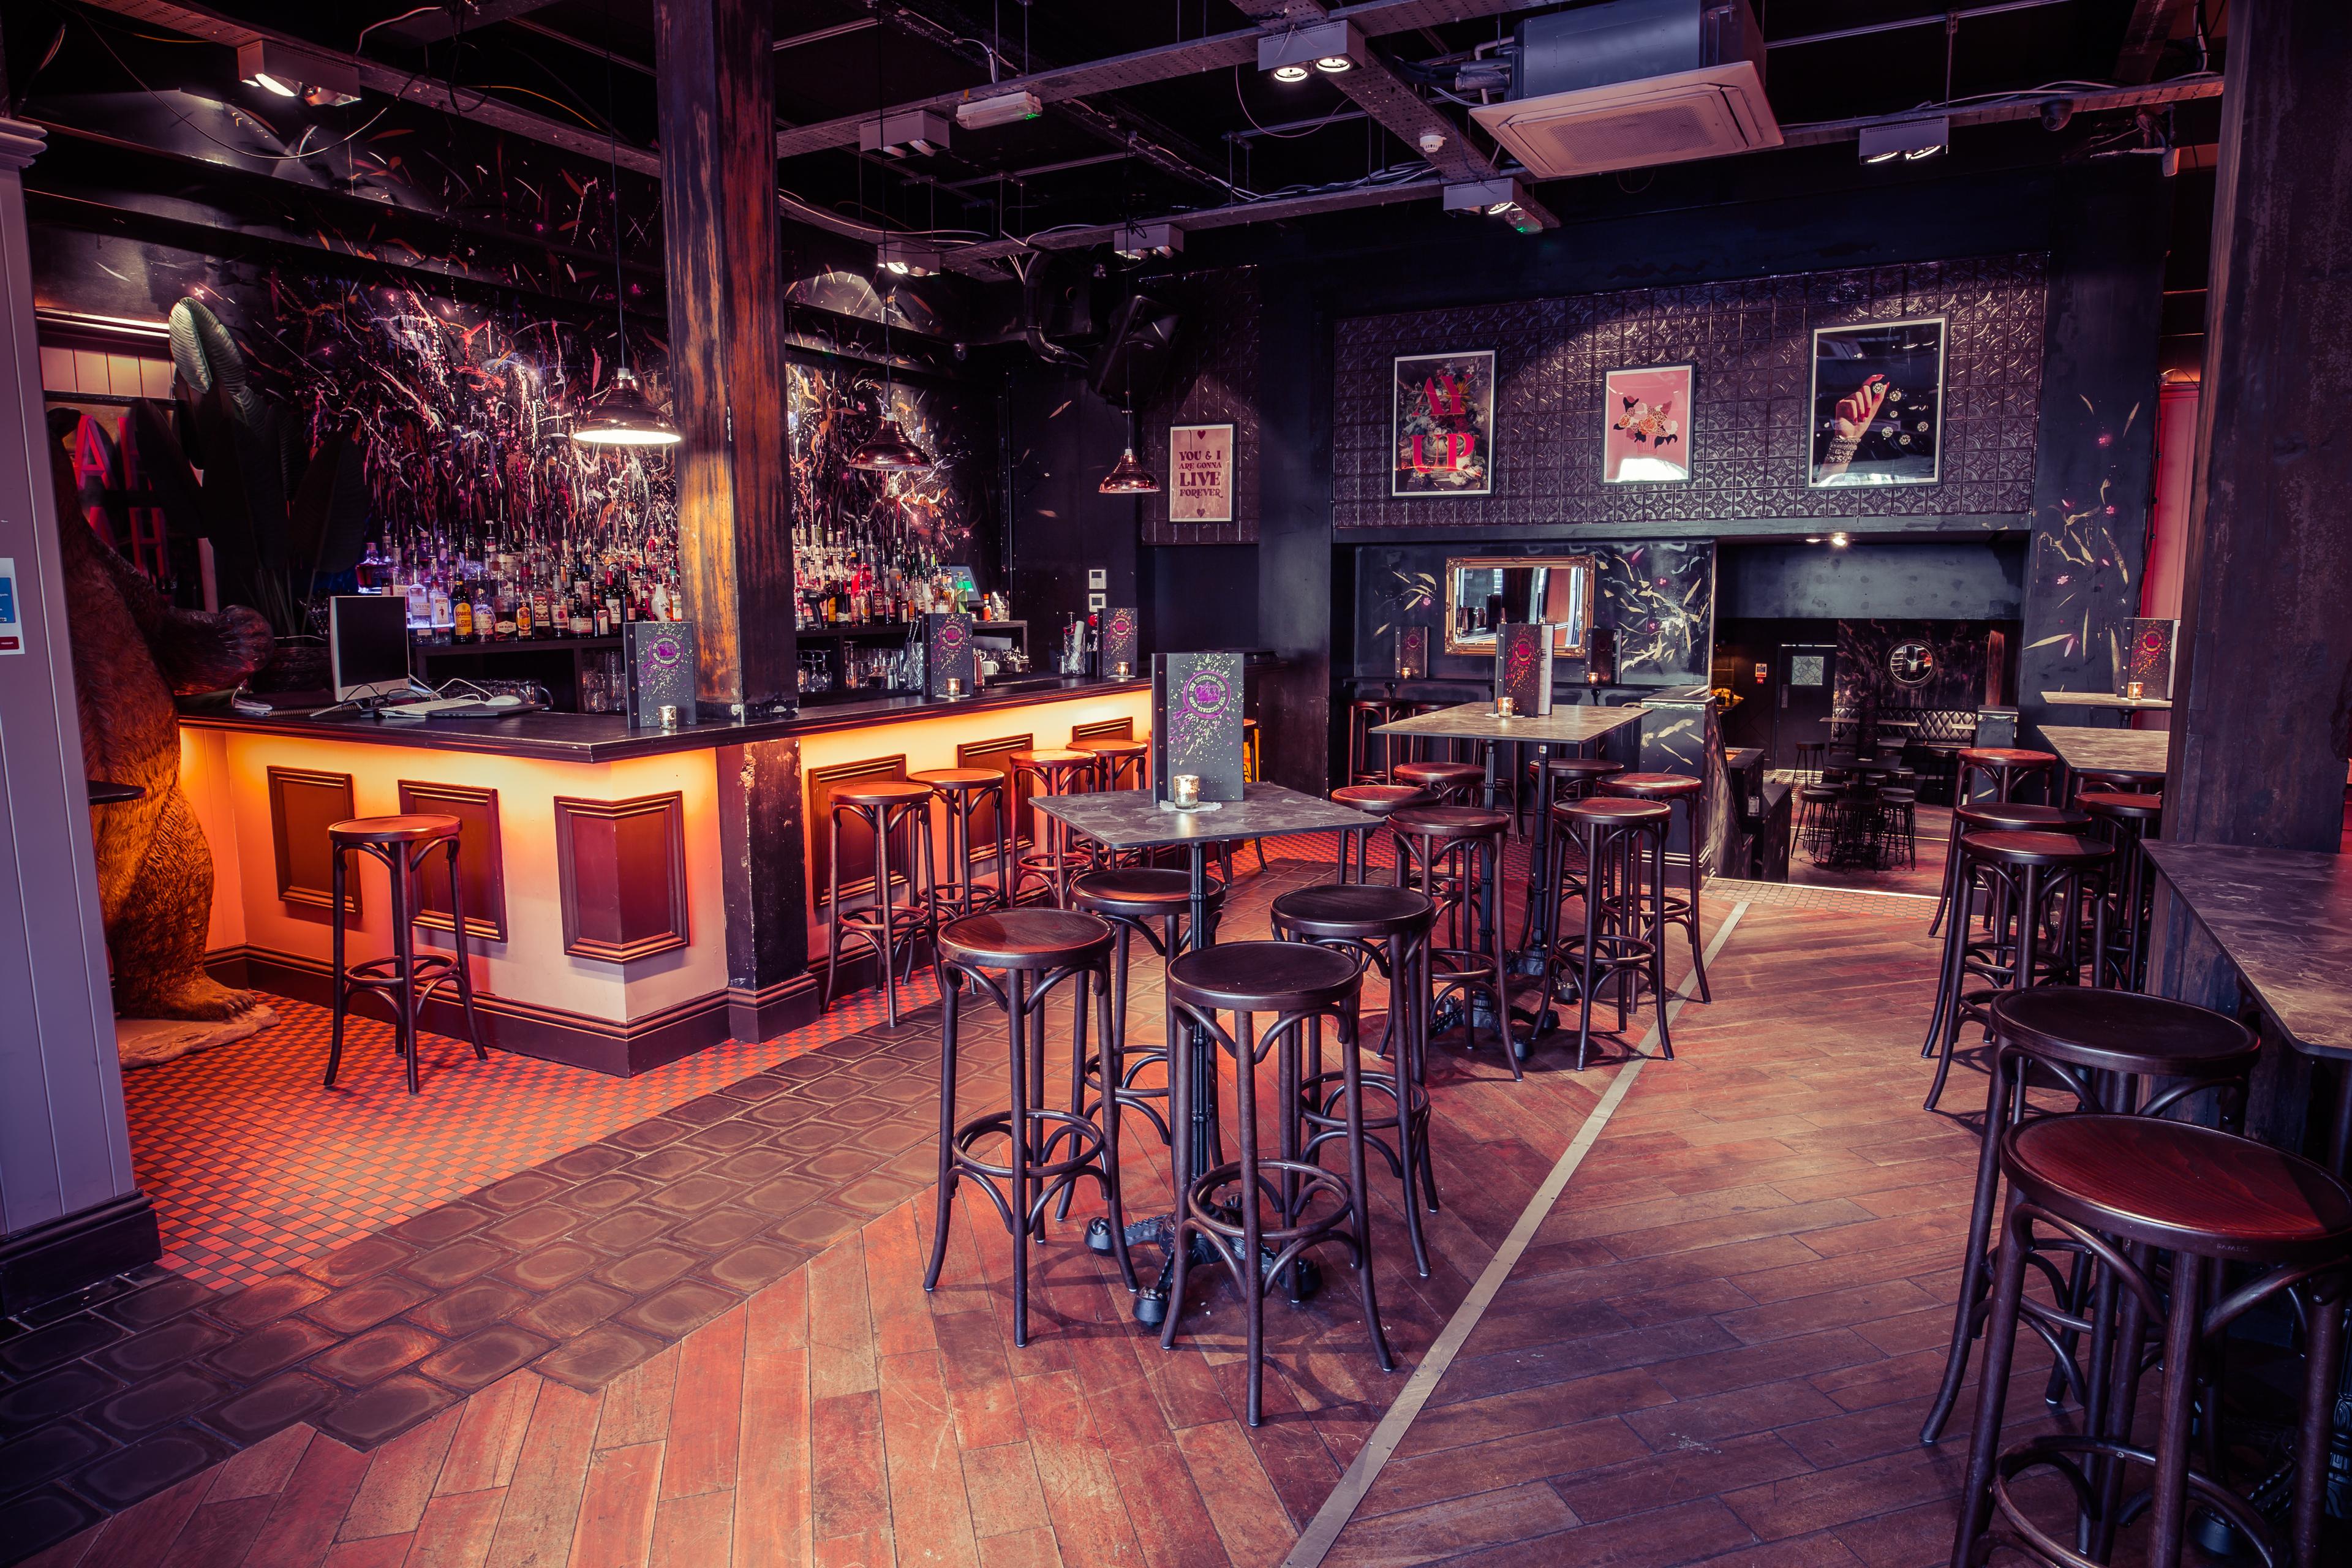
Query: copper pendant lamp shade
x=624 y=416
x=887 y=452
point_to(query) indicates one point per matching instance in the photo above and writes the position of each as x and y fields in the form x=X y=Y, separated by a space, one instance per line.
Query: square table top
x=1131 y=819
x=2104 y=700
x=2284 y=918
x=2093 y=751
x=1569 y=724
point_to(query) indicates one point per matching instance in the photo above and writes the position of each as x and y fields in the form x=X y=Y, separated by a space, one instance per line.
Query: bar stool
x=1033 y=952
x=1132 y=900
x=1455 y=855
x=1253 y=756
x=2003 y=768
x=405 y=980
x=1119 y=762
x=1993 y=815
x=2024 y=871
x=1899 y=807
x=961 y=792
x=2123 y=1189
x=2116 y=781
x=2110 y=1051
x=1051 y=859
x=1809 y=759
x=1690 y=794
x=1364 y=715
x=1386 y=928
x=2126 y=821
x=1303 y=987
x=1623 y=942
x=1563 y=778
x=1814 y=804
x=1452 y=783
x=897 y=813
x=1377 y=800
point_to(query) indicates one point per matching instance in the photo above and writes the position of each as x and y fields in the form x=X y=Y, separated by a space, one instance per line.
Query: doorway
x=1806 y=693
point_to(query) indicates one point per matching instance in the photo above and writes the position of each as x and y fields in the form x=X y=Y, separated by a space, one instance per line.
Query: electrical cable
x=1337 y=111
x=360 y=42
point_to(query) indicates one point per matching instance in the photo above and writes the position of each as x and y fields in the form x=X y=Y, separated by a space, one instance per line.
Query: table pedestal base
x=1159 y=1231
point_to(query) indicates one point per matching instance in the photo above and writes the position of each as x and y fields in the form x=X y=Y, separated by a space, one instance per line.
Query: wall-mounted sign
x=1200 y=473
x=1646 y=425
x=1445 y=425
x=1877 y=407
x=12 y=625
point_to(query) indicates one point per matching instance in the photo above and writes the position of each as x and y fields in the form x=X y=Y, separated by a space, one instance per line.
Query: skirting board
x=56 y=1259
x=553 y=1033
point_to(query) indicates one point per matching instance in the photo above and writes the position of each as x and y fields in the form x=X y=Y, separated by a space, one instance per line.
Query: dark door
x=1801 y=713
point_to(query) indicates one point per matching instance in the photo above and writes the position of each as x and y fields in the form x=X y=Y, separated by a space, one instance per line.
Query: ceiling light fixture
x=1328 y=47
x=1499 y=197
x=1910 y=140
x=1839 y=541
x=624 y=416
x=910 y=130
x=318 y=81
x=901 y=258
x=1138 y=241
x=1128 y=476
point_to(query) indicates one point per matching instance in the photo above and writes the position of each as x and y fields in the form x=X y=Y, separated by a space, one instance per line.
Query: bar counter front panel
x=595 y=904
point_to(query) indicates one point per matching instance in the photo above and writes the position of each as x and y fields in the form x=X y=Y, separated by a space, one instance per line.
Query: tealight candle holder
x=1185 y=789
x=1123 y=669
x=2136 y=690
x=668 y=717
x=955 y=686
x=1502 y=707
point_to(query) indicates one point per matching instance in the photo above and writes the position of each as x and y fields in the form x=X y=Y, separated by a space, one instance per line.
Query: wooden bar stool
x=1682 y=909
x=961 y=792
x=897 y=813
x=1017 y=959
x=1455 y=855
x=2001 y=767
x=1303 y=987
x=1050 y=859
x=1379 y=801
x=1133 y=901
x=2116 y=781
x=2035 y=881
x=1252 y=755
x=1385 y=929
x=2022 y=816
x=1563 y=779
x=2124 y=1189
x=1454 y=784
x=2107 y=1051
x=1119 y=763
x=405 y=980
x=2127 y=821
x=1364 y=715
x=1809 y=761
x=1623 y=941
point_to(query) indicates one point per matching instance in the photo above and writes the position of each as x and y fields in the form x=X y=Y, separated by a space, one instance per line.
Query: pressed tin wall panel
x=1750 y=342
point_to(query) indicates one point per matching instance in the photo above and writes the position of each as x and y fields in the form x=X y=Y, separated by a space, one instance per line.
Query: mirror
x=1911 y=663
x=1483 y=591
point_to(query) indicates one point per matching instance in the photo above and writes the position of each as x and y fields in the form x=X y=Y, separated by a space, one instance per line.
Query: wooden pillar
x=2262 y=685
x=735 y=527
x=2262 y=722
x=726 y=357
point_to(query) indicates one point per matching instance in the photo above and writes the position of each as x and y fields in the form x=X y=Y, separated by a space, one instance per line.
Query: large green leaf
x=208 y=359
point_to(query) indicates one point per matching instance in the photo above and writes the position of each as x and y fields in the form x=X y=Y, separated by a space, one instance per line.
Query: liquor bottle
x=439 y=607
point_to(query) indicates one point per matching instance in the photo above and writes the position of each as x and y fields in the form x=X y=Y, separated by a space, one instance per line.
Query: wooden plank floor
x=1717 y=1347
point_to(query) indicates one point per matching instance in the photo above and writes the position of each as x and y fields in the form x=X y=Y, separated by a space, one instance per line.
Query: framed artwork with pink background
x=1647 y=427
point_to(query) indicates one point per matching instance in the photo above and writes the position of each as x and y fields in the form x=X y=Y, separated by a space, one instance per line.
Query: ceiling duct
x=1128 y=367
x=1633 y=84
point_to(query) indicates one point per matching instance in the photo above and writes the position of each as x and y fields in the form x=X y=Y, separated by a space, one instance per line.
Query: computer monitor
x=367 y=645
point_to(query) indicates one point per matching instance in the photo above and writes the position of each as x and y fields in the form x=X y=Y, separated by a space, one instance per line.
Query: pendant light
x=1128 y=476
x=888 y=450
x=625 y=415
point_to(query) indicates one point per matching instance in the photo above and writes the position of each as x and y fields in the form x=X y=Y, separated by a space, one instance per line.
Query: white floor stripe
x=1324 y=1529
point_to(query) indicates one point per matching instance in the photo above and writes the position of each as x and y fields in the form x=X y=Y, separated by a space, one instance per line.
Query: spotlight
x=1839 y=541
x=1910 y=140
x=1500 y=208
x=1136 y=241
x=895 y=135
x=317 y=79
x=902 y=259
x=1328 y=47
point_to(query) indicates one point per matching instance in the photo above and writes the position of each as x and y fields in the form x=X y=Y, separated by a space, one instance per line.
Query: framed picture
x=1445 y=425
x=1878 y=405
x=1645 y=425
x=1200 y=473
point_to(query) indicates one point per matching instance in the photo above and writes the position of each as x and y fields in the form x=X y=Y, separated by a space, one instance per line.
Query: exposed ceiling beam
x=1165 y=62
x=408 y=86
x=1387 y=98
x=2025 y=106
x=471 y=16
x=2145 y=33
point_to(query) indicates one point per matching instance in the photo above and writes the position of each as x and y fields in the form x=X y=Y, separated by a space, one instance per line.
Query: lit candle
x=1123 y=669
x=668 y=717
x=1186 y=788
x=955 y=685
x=2136 y=690
x=1502 y=707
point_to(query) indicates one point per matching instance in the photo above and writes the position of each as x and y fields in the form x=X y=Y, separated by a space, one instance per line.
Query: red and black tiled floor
x=1716 y=1350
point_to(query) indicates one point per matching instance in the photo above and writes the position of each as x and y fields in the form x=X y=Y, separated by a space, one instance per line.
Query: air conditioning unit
x=1633 y=84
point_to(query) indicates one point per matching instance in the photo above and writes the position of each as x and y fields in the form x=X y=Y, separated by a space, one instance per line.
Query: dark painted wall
x=1963 y=649
x=1931 y=580
x=1062 y=439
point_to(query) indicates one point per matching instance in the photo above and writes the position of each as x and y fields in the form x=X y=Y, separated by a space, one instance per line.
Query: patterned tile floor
x=253 y=1167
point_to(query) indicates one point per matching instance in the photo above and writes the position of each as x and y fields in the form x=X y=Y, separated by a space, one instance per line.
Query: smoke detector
x=1432 y=142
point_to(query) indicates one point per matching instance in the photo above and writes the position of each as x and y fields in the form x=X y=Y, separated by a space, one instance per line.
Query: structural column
x=724 y=266
x=727 y=358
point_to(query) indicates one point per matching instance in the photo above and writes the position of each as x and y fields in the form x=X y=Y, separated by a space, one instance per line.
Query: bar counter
x=631 y=895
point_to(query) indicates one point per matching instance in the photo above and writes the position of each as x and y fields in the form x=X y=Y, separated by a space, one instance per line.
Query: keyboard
x=442 y=706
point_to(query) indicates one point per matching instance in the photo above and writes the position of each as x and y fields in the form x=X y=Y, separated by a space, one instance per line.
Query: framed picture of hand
x=1877 y=404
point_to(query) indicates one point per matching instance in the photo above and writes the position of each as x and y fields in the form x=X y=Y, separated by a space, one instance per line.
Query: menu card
x=1122 y=643
x=1411 y=653
x=1196 y=702
x=1523 y=666
x=948 y=655
x=661 y=670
